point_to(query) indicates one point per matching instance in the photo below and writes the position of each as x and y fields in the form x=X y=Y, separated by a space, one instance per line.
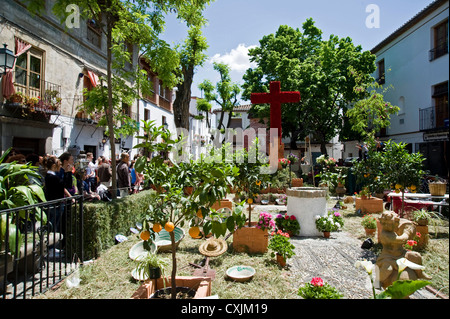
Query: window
x=128 y=47
x=126 y=109
x=381 y=72
x=29 y=73
x=146 y=114
x=164 y=120
x=440 y=41
x=401 y=104
x=162 y=91
x=440 y=97
x=94 y=32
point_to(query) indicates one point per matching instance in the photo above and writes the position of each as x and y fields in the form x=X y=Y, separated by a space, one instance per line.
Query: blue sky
x=235 y=25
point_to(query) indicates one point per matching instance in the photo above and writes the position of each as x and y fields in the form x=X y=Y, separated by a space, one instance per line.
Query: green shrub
x=104 y=220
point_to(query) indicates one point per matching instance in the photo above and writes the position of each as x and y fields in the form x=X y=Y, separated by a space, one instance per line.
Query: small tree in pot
x=209 y=178
x=402 y=169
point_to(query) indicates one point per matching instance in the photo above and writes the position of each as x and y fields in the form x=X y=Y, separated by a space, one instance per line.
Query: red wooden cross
x=275 y=98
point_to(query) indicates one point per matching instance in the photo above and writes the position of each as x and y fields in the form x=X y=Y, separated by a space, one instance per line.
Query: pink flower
x=317 y=282
x=293 y=217
x=418 y=234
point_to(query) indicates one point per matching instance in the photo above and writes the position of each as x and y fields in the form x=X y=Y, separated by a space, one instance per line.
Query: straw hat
x=213 y=247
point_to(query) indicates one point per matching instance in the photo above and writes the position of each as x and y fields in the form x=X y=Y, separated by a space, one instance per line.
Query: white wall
x=411 y=73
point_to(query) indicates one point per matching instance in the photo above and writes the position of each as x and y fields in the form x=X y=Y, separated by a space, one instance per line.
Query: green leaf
x=403 y=288
x=230 y=223
x=37 y=190
x=140 y=163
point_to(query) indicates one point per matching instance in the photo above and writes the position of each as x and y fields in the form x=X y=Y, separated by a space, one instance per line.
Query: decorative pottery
x=138 y=251
x=163 y=242
x=241 y=273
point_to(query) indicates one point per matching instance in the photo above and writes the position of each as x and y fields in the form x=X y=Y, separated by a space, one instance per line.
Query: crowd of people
x=61 y=177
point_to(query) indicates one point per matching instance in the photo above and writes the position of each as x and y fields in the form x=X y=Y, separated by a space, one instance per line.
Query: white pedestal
x=305 y=203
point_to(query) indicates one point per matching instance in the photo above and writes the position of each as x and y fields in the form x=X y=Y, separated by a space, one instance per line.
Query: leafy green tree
x=319 y=69
x=191 y=55
x=225 y=94
x=131 y=21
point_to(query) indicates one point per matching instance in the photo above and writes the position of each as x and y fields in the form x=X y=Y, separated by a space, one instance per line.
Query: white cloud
x=237 y=59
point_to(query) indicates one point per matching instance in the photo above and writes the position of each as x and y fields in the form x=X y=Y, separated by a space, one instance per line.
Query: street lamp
x=7 y=58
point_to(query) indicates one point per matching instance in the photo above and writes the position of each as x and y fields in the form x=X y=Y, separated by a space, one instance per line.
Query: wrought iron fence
x=433 y=117
x=37 y=253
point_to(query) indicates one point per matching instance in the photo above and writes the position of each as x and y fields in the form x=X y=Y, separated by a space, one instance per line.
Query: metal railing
x=36 y=254
x=40 y=95
x=438 y=51
x=433 y=117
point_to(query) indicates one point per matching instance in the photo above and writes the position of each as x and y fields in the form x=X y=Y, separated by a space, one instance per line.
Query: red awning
x=7 y=80
x=93 y=77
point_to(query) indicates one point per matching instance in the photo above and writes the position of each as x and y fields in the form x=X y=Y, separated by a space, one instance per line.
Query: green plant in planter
x=210 y=176
x=326 y=223
x=318 y=289
x=151 y=260
x=280 y=244
x=369 y=222
x=287 y=223
x=19 y=186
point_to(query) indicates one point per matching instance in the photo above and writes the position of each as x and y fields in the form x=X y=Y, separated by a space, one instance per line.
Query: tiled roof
x=238 y=108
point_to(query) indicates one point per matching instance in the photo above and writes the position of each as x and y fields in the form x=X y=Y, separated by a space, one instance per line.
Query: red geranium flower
x=317 y=281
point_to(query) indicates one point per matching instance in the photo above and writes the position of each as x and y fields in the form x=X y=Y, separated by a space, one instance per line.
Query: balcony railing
x=438 y=51
x=42 y=96
x=434 y=117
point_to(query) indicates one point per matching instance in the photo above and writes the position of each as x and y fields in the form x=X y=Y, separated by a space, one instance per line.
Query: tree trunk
x=174 y=266
x=110 y=110
x=183 y=99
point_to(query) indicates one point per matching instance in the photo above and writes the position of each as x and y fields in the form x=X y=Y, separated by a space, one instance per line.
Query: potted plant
x=401 y=168
x=265 y=221
x=422 y=217
x=364 y=193
x=326 y=224
x=370 y=224
x=17 y=97
x=281 y=247
x=173 y=209
x=318 y=289
x=288 y=224
x=152 y=266
x=281 y=200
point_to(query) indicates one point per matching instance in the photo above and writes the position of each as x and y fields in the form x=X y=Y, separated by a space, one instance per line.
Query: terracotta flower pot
x=370 y=231
x=326 y=234
x=281 y=261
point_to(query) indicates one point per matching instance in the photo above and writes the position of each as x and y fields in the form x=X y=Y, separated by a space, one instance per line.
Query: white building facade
x=414 y=60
